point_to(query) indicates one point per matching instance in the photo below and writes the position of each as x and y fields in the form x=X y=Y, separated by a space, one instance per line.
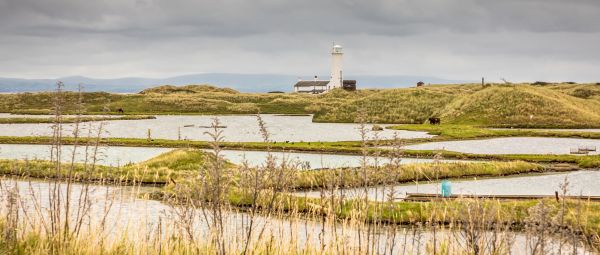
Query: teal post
x=446 y=188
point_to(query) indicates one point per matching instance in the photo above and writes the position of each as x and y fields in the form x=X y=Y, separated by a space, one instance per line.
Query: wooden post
x=149 y=135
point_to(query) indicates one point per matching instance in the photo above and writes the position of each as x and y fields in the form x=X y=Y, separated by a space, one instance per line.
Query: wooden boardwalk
x=423 y=197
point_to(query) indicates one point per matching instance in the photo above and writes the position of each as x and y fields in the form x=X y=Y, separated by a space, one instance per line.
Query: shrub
x=583 y=93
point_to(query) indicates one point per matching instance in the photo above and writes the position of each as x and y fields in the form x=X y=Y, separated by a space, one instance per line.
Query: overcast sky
x=520 y=40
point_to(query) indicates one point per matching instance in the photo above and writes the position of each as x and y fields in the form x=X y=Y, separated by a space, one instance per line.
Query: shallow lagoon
x=239 y=128
x=316 y=161
x=511 y=145
x=118 y=156
x=110 y=156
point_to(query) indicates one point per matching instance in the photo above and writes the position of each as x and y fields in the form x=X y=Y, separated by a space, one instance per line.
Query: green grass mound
x=176 y=164
x=408 y=105
x=522 y=106
x=188 y=89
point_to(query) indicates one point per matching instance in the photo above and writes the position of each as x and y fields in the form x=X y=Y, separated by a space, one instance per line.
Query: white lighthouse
x=336 y=80
x=336 y=68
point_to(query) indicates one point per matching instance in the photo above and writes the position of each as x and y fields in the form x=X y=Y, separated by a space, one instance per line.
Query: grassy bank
x=350 y=147
x=352 y=178
x=22 y=120
x=497 y=105
x=173 y=165
x=461 y=132
x=180 y=164
x=585 y=215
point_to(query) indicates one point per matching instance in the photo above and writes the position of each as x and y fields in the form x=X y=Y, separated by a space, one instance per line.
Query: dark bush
x=583 y=93
x=540 y=83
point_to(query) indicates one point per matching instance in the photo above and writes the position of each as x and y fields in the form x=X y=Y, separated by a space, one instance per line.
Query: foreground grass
x=72 y=119
x=580 y=217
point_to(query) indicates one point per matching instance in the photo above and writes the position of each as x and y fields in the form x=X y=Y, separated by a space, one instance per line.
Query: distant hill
x=239 y=82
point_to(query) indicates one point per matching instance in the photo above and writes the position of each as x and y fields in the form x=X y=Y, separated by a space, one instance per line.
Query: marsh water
x=118 y=156
x=584 y=182
x=110 y=156
x=237 y=128
x=317 y=161
x=512 y=145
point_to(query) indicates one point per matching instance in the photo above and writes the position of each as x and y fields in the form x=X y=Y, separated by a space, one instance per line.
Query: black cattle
x=434 y=121
x=120 y=110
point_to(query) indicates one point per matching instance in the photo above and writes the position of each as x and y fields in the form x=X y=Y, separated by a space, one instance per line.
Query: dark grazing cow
x=120 y=110
x=434 y=121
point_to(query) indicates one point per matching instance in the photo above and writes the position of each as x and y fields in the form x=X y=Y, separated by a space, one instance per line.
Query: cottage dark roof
x=311 y=83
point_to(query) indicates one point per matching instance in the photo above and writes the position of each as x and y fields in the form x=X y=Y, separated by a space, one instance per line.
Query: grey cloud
x=239 y=18
x=457 y=39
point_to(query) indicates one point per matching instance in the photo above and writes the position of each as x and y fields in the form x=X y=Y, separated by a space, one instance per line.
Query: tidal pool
x=118 y=156
x=238 y=128
x=110 y=156
x=314 y=160
x=512 y=145
x=586 y=183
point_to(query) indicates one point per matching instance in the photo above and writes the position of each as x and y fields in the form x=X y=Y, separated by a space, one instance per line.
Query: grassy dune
x=21 y=120
x=523 y=106
x=497 y=105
